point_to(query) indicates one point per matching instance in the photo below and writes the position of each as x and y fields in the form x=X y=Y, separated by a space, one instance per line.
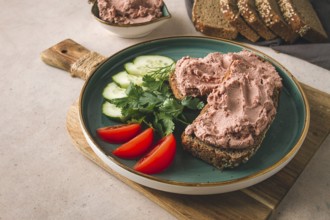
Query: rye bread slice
x=248 y=11
x=230 y=11
x=174 y=87
x=221 y=157
x=271 y=14
x=209 y=20
x=302 y=18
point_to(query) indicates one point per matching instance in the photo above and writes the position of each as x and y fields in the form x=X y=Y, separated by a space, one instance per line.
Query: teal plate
x=188 y=175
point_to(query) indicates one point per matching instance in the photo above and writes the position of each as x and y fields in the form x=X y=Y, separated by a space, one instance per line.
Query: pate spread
x=199 y=76
x=129 y=11
x=241 y=107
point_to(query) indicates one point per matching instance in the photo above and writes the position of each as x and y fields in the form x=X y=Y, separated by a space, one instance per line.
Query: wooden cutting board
x=256 y=202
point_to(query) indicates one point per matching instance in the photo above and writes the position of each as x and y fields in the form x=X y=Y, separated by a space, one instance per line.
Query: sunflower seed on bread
x=230 y=11
x=271 y=14
x=248 y=11
x=302 y=18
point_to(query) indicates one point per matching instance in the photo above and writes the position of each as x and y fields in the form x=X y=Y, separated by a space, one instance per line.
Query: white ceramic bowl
x=131 y=30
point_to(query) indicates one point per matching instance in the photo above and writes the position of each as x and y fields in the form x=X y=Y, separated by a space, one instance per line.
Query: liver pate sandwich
x=242 y=93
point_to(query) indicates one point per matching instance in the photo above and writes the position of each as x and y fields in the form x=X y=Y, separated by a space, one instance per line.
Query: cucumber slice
x=123 y=79
x=111 y=111
x=142 y=65
x=113 y=91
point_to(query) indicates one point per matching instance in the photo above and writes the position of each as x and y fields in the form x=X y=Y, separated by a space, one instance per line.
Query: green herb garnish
x=154 y=104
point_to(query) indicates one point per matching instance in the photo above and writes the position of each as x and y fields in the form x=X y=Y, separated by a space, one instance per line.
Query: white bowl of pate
x=130 y=18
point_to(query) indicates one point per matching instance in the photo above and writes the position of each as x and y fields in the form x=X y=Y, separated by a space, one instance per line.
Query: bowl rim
x=260 y=173
x=163 y=17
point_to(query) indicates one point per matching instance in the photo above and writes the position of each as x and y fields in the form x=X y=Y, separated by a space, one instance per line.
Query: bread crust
x=270 y=13
x=221 y=157
x=174 y=87
x=215 y=31
x=249 y=13
x=226 y=31
x=230 y=11
x=292 y=16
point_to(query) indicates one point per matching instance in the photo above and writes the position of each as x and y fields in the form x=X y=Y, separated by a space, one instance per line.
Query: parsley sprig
x=154 y=104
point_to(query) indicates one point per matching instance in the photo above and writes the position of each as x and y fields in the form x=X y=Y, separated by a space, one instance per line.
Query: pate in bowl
x=126 y=22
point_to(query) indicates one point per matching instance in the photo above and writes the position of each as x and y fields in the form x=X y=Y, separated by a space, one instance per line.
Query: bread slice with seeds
x=230 y=11
x=302 y=18
x=208 y=19
x=271 y=14
x=248 y=11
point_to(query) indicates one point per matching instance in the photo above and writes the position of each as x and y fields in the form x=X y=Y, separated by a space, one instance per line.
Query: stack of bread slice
x=259 y=19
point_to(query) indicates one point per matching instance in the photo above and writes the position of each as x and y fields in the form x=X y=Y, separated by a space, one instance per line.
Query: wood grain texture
x=73 y=58
x=256 y=202
x=64 y=54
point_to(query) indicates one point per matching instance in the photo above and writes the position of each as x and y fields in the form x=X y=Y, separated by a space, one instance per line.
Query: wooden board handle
x=64 y=54
x=73 y=58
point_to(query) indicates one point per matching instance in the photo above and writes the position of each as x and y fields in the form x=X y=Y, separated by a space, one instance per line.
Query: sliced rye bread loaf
x=248 y=11
x=230 y=11
x=209 y=20
x=271 y=14
x=302 y=18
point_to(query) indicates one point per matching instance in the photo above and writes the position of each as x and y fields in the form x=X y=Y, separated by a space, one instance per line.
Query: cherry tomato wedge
x=137 y=146
x=159 y=158
x=119 y=133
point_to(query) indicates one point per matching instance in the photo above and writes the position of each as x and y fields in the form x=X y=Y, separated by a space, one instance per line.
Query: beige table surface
x=42 y=176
